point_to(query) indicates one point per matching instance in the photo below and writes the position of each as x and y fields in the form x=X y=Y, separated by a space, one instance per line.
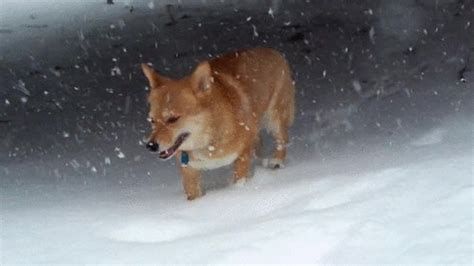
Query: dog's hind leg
x=280 y=116
x=280 y=134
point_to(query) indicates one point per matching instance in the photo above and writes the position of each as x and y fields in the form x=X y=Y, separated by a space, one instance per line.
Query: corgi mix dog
x=212 y=118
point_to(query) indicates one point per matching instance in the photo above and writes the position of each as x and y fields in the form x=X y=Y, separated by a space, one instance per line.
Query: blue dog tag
x=184 y=159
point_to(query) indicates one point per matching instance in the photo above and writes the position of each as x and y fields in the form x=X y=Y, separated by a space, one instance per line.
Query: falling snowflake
x=270 y=12
x=255 y=33
x=151 y=5
x=75 y=164
x=120 y=154
x=22 y=87
x=372 y=35
x=356 y=85
x=115 y=71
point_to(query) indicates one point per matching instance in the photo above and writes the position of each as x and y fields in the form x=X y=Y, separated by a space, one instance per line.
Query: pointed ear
x=153 y=77
x=202 y=79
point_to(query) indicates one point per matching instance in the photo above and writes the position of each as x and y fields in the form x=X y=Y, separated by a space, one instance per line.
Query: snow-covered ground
x=380 y=164
x=411 y=204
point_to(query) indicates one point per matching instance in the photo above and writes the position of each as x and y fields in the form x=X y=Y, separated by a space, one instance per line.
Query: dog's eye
x=151 y=120
x=172 y=119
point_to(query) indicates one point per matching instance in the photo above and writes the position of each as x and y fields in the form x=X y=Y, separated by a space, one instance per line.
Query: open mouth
x=168 y=153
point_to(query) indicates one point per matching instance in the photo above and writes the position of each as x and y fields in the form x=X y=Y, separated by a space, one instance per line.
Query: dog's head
x=179 y=113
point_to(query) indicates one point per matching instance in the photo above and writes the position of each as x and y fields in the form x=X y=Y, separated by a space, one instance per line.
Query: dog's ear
x=202 y=79
x=153 y=77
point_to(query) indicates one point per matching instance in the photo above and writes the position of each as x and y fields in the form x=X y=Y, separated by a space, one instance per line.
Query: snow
x=377 y=208
x=380 y=160
x=430 y=138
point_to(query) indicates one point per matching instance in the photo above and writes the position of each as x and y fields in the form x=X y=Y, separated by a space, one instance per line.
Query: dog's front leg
x=191 y=182
x=191 y=179
x=242 y=165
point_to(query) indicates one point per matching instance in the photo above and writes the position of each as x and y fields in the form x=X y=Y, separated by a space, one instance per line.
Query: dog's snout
x=152 y=146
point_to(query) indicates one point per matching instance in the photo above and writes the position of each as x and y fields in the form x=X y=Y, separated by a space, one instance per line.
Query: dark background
x=73 y=97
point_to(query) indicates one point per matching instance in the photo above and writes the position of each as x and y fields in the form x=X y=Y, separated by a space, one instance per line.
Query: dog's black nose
x=152 y=146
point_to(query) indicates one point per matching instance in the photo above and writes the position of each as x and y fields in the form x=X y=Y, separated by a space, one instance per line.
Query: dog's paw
x=193 y=196
x=273 y=163
x=240 y=182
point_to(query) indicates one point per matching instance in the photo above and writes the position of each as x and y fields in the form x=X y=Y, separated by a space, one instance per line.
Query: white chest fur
x=203 y=162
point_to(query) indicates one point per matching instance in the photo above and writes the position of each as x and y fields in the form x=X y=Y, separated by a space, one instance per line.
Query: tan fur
x=223 y=104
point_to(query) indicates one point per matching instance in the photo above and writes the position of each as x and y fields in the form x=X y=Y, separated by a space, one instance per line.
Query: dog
x=213 y=117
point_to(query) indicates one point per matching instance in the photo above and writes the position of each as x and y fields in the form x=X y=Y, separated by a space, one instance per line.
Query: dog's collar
x=184 y=159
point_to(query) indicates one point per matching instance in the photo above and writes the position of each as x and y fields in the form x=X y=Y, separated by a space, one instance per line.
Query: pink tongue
x=170 y=151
